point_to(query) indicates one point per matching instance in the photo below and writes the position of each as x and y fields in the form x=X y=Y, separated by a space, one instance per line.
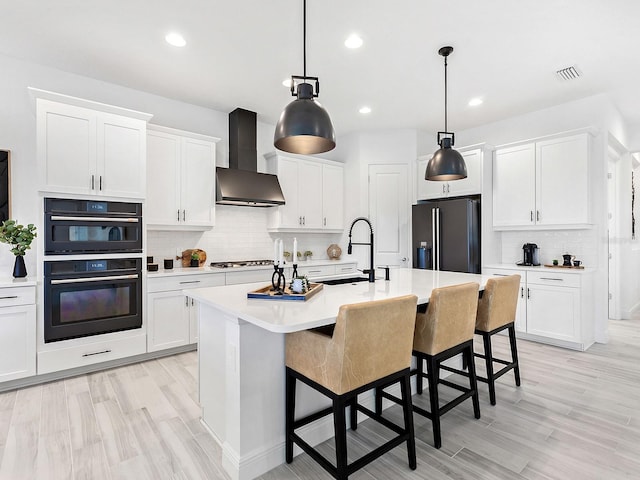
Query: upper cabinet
x=89 y=148
x=542 y=184
x=313 y=191
x=180 y=179
x=472 y=185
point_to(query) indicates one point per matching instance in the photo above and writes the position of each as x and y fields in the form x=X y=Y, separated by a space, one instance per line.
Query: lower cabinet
x=17 y=332
x=172 y=318
x=553 y=307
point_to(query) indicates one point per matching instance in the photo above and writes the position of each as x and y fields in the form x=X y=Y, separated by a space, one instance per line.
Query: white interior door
x=389 y=213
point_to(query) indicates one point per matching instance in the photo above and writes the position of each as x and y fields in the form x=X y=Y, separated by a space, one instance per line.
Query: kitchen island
x=241 y=360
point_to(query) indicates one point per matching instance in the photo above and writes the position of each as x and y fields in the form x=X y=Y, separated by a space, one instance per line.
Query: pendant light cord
x=445 y=94
x=304 y=39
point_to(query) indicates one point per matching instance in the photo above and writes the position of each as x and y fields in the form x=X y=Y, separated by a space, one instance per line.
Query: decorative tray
x=267 y=293
x=564 y=266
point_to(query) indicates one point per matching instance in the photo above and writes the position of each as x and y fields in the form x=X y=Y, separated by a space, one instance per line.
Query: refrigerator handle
x=438 y=235
x=434 y=246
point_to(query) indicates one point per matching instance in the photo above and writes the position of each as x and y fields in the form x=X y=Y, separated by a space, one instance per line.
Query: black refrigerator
x=446 y=234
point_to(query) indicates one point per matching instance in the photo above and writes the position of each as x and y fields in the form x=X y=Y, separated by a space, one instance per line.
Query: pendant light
x=446 y=164
x=304 y=125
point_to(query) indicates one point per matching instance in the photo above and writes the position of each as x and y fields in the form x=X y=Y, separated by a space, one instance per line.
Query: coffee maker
x=530 y=255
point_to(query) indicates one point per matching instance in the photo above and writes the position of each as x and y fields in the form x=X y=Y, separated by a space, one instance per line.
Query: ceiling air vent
x=569 y=73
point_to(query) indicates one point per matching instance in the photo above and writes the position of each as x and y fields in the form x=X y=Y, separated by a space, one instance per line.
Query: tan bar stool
x=445 y=330
x=497 y=312
x=369 y=346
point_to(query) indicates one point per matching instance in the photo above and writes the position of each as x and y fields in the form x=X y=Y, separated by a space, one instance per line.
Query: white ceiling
x=239 y=52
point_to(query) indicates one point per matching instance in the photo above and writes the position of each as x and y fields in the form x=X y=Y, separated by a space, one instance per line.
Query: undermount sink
x=341 y=281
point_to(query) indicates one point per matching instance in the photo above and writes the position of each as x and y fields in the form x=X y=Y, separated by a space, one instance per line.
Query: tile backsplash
x=240 y=233
x=552 y=245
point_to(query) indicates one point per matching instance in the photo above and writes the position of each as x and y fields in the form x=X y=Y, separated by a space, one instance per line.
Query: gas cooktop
x=242 y=263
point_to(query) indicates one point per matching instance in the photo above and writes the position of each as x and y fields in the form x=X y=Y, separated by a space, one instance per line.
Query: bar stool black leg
x=353 y=413
x=405 y=389
x=433 y=372
x=488 y=356
x=473 y=382
x=340 y=425
x=378 y=401
x=419 y=376
x=514 y=353
x=290 y=406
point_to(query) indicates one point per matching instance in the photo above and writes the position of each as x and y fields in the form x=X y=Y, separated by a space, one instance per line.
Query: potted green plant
x=195 y=259
x=308 y=254
x=20 y=238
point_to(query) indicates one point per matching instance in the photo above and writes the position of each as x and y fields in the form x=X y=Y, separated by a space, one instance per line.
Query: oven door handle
x=95 y=219
x=94 y=279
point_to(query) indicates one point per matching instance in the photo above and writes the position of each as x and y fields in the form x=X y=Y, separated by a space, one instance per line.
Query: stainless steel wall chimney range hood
x=241 y=184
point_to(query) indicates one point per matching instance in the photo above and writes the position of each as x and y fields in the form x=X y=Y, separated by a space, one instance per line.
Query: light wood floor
x=576 y=416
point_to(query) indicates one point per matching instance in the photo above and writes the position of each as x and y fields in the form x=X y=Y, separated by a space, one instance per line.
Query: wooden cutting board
x=186 y=257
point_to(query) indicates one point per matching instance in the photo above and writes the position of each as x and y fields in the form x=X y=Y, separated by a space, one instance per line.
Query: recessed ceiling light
x=353 y=41
x=175 y=39
x=474 y=102
x=365 y=110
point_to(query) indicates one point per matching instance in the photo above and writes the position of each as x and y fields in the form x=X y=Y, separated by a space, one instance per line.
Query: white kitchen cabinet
x=553 y=306
x=332 y=197
x=472 y=185
x=313 y=190
x=172 y=318
x=542 y=184
x=180 y=179
x=89 y=151
x=17 y=332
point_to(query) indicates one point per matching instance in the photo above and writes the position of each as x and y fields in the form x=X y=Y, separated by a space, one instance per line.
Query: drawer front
x=179 y=282
x=346 y=268
x=249 y=276
x=554 y=278
x=81 y=355
x=503 y=272
x=317 y=271
x=13 y=296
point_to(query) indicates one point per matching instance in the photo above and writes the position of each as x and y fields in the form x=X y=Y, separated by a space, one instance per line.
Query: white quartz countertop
x=284 y=316
x=6 y=281
x=206 y=269
x=540 y=268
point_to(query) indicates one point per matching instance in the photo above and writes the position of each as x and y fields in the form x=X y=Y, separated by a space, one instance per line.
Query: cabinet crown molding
x=593 y=131
x=37 y=93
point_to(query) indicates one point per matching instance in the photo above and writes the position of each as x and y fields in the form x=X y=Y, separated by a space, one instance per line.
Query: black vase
x=19 y=269
x=195 y=262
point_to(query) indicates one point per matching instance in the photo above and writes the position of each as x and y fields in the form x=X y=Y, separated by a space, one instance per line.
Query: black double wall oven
x=92 y=277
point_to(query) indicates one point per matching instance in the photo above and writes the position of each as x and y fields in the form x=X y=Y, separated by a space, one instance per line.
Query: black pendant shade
x=304 y=125
x=446 y=164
